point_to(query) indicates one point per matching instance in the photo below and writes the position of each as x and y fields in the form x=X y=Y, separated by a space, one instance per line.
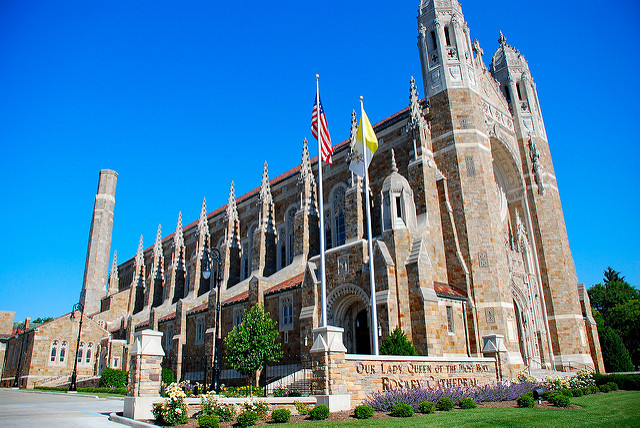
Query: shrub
x=562 y=401
x=586 y=390
x=615 y=356
x=467 y=403
x=363 y=411
x=577 y=392
x=174 y=410
x=594 y=389
x=445 y=404
x=526 y=401
x=613 y=386
x=427 y=407
x=247 y=418
x=605 y=388
x=260 y=407
x=626 y=382
x=281 y=416
x=402 y=410
x=280 y=391
x=210 y=406
x=167 y=376
x=397 y=343
x=208 y=421
x=114 y=378
x=319 y=412
x=302 y=408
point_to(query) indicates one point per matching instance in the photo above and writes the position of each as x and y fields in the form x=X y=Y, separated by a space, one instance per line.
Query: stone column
x=327 y=356
x=144 y=374
x=494 y=348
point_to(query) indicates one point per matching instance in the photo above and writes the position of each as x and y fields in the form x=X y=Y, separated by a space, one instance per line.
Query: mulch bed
x=347 y=415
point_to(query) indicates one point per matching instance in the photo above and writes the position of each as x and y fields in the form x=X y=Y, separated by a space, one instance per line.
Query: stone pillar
x=144 y=375
x=94 y=285
x=494 y=348
x=328 y=362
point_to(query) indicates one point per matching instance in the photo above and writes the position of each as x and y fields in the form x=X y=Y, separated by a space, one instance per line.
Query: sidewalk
x=21 y=408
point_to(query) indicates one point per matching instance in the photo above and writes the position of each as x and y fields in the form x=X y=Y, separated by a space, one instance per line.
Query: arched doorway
x=362 y=333
x=348 y=307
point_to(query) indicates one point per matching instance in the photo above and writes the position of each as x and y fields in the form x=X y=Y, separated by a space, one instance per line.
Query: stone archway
x=348 y=307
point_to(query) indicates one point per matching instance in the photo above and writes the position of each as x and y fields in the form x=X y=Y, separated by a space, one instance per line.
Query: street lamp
x=77 y=307
x=212 y=263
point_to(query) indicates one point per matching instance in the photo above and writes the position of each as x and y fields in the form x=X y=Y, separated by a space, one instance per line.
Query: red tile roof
x=286 y=285
x=239 y=298
x=447 y=290
x=167 y=317
x=200 y=308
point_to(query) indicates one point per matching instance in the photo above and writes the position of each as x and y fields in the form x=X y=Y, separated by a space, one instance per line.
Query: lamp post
x=77 y=307
x=213 y=264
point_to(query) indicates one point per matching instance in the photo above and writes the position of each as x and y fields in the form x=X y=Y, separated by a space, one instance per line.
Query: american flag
x=325 y=139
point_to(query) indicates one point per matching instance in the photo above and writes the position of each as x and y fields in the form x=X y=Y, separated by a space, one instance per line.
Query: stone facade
x=469 y=239
x=46 y=353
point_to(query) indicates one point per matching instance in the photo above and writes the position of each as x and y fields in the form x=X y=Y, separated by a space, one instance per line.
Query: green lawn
x=616 y=409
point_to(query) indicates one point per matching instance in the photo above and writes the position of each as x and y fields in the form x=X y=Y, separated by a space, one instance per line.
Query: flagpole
x=323 y=279
x=374 y=314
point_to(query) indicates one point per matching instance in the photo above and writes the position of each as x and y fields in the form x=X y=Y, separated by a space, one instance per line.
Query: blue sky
x=180 y=98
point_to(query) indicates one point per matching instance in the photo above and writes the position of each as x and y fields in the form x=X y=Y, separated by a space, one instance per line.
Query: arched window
x=286 y=313
x=291 y=233
x=88 y=356
x=169 y=337
x=338 y=216
x=80 y=351
x=63 y=351
x=54 y=351
x=328 y=242
x=447 y=38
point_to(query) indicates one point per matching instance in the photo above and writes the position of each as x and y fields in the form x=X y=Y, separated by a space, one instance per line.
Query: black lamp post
x=77 y=307
x=213 y=263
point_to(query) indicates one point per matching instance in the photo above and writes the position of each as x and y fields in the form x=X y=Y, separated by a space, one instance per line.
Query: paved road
x=20 y=408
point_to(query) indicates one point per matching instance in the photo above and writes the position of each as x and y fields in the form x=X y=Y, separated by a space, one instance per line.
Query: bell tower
x=445 y=47
x=557 y=269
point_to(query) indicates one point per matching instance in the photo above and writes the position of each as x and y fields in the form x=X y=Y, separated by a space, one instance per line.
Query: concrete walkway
x=20 y=408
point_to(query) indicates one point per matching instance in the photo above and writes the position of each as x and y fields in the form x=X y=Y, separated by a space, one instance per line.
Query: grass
x=96 y=394
x=619 y=409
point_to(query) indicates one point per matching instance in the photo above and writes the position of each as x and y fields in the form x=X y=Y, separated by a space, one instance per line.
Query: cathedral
x=468 y=233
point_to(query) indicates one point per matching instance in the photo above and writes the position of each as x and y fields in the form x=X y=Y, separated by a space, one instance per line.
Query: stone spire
x=196 y=282
x=231 y=247
x=394 y=168
x=307 y=181
x=113 y=276
x=175 y=284
x=203 y=224
x=232 y=233
x=136 y=296
x=263 y=251
x=155 y=291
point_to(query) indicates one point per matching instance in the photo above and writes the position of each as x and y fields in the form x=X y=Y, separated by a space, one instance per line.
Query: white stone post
x=328 y=354
x=145 y=370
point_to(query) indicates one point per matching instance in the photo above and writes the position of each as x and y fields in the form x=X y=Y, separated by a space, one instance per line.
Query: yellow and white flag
x=357 y=165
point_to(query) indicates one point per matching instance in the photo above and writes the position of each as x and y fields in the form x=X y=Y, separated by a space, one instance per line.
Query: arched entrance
x=348 y=307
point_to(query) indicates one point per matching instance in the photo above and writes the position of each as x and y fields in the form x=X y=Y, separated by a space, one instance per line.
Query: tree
x=253 y=343
x=616 y=304
x=615 y=355
x=397 y=344
x=40 y=320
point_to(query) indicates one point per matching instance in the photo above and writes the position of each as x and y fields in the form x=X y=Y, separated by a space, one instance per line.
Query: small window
x=447 y=38
x=450 y=322
x=116 y=362
x=80 y=351
x=88 y=356
x=286 y=336
x=518 y=90
x=399 y=206
x=507 y=93
x=434 y=45
x=199 y=331
x=286 y=313
x=169 y=337
x=54 y=351
x=238 y=315
x=63 y=352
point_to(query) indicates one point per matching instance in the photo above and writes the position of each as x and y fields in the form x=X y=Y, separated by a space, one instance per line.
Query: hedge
x=114 y=378
x=115 y=391
x=626 y=382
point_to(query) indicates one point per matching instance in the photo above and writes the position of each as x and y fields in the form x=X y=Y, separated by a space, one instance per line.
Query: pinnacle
x=394 y=168
x=502 y=39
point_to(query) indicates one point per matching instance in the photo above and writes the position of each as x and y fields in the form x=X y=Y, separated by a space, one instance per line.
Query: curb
x=129 y=422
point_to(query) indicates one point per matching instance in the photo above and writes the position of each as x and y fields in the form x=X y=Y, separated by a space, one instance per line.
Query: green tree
x=41 y=320
x=616 y=304
x=253 y=343
x=615 y=355
x=397 y=344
